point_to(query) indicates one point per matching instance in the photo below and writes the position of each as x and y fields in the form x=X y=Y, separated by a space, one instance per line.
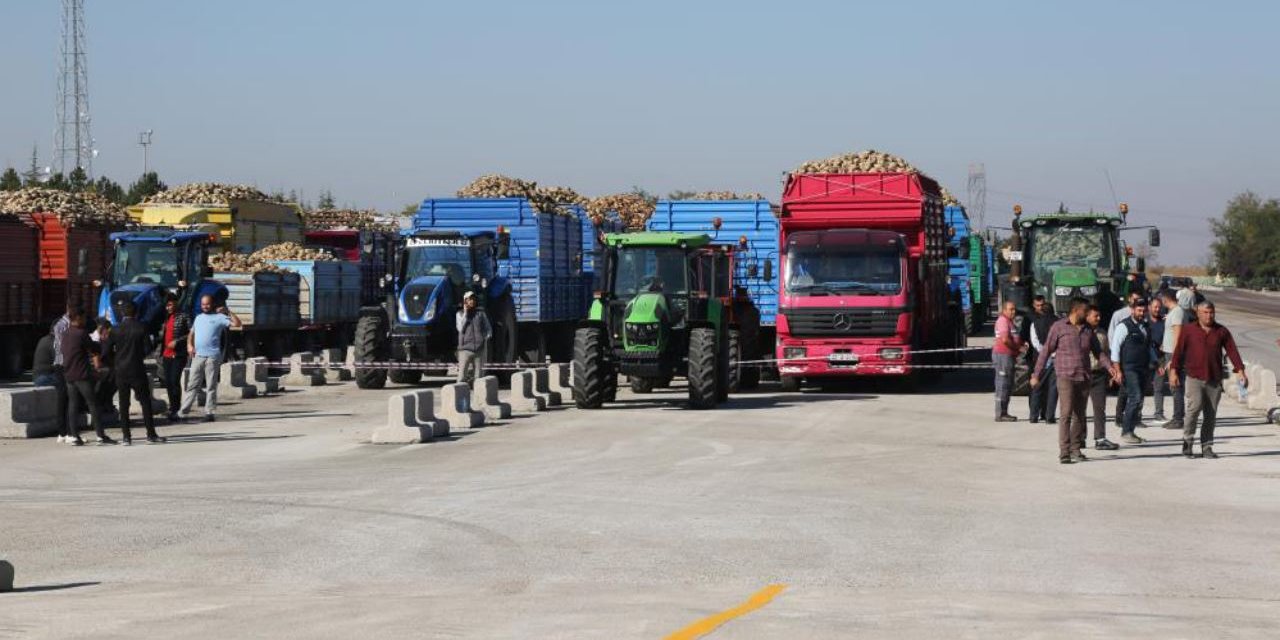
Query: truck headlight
x=794 y=353
x=1088 y=291
x=1062 y=291
x=891 y=354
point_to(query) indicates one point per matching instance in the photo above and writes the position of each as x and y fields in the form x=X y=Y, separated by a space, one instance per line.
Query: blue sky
x=385 y=102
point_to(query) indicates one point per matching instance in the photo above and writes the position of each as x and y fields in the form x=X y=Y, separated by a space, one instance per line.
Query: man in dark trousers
x=78 y=353
x=1200 y=350
x=1100 y=382
x=1072 y=342
x=126 y=347
x=1131 y=349
x=173 y=352
x=1035 y=330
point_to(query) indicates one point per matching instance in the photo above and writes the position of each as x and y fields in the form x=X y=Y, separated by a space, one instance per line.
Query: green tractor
x=666 y=310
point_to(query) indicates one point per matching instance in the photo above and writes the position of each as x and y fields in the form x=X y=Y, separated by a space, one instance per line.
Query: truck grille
x=842 y=321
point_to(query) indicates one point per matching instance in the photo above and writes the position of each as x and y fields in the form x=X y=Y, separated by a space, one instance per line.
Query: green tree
x=1247 y=244
x=409 y=210
x=147 y=185
x=77 y=180
x=31 y=177
x=644 y=193
x=10 y=181
x=326 y=200
x=681 y=194
x=109 y=189
x=56 y=181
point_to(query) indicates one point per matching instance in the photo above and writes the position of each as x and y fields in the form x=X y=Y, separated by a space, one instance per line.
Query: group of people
x=1075 y=360
x=88 y=368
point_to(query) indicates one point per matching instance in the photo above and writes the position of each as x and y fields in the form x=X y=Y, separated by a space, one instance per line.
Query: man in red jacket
x=1199 y=353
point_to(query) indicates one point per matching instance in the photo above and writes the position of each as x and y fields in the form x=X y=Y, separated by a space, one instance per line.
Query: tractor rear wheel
x=735 y=361
x=371 y=346
x=704 y=355
x=502 y=347
x=590 y=371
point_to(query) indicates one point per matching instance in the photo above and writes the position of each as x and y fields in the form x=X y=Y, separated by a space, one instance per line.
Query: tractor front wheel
x=591 y=387
x=371 y=346
x=704 y=378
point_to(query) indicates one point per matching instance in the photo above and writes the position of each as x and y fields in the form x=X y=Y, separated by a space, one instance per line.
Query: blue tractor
x=149 y=265
x=415 y=324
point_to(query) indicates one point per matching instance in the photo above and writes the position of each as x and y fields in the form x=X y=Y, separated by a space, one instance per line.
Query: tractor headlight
x=1062 y=291
x=430 y=314
x=794 y=353
x=642 y=333
x=1089 y=291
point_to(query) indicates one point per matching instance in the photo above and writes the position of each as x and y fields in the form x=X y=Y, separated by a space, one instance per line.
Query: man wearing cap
x=1131 y=351
x=474 y=332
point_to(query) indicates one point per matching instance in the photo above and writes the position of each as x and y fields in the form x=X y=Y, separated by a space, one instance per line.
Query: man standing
x=173 y=353
x=1042 y=401
x=1155 y=321
x=1199 y=351
x=1003 y=352
x=1118 y=316
x=127 y=347
x=1099 y=383
x=1131 y=349
x=474 y=332
x=78 y=351
x=1174 y=322
x=204 y=345
x=1072 y=343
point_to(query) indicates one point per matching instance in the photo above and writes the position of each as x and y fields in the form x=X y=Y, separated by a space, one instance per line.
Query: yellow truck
x=243 y=226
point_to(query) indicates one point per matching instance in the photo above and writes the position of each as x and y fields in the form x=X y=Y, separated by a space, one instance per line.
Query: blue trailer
x=752 y=226
x=959 y=268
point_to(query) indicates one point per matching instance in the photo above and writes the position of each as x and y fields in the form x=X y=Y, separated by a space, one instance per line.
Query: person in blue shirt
x=204 y=346
x=1131 y=350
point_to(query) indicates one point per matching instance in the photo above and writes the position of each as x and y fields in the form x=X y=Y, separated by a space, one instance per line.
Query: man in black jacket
x=1043 y=400
x=126 y=348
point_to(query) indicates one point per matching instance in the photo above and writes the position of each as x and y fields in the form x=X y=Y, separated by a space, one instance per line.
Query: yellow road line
x=711 y=623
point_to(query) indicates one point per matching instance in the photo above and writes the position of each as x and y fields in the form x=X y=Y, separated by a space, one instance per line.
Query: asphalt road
x=884 y=515
x=1254 y=320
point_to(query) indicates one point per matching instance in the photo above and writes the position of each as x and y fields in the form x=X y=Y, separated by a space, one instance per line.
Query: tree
x=56 y=181
x=77 y=180
x=681 y=194
x=31 y=177
x=409 y=210
x=147 y=185
x=109 y=189
x=10 y=181
x=644 y=193
x=326 y=200
x=1247 y=244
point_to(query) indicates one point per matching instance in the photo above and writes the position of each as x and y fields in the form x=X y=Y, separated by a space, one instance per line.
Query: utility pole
x=144 y=139
x=73 y=145
x=977 y=197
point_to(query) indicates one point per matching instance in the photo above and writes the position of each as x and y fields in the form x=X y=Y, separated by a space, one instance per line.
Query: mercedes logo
x=842 y=321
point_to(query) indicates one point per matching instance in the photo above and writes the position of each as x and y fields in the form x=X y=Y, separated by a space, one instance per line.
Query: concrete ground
x=884 y=515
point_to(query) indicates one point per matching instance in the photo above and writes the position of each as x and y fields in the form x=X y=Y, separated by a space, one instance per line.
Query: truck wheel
x=735 y=360
x=371 y=346
x=405 y=376
x=790 y=384
x=704 y=377
x=642 y=385
x=502 y=348
x=590 y=371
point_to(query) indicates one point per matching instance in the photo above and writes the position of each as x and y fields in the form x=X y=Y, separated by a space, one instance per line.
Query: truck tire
x=371 y=346
x=735 y=359
x=503 y=345
x=704 y=377
x=642 y=385
x=590 y=371
x=405 y=376
x=790 y=384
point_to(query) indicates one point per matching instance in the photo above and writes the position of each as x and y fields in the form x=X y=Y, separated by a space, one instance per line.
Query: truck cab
x=147 y=266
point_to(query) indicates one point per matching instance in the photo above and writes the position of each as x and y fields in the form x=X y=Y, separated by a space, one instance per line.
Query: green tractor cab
x=666 y=309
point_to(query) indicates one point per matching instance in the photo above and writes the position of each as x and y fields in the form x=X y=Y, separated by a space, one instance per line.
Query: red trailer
x=864 y=275
x=371 y=249
x=19 y=294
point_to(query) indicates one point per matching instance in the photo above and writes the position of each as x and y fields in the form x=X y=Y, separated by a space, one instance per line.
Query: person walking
x=173 y=353
x=1118 y=316
x=204 y=346
x=1131 y=349
x=1155 y=321
x=1007 y=347
x=1175 y=321
x=474 y=332
x=127 y=347
x=1042 y=401
x=1072 y=342
x=1199 y=352
x=45 y=374
x=1099 y=383
x=78 y=353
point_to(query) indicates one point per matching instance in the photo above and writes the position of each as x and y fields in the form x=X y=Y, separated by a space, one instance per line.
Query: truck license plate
x=843 y=359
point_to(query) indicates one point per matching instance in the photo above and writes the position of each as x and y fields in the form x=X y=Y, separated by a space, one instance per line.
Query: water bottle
x=1242 y=390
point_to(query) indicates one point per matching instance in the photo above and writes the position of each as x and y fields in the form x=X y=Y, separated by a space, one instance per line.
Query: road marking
x=711 y=623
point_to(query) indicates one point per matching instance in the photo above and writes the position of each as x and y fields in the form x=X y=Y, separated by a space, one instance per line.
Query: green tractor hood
x=1074 y=277
x=647 y=308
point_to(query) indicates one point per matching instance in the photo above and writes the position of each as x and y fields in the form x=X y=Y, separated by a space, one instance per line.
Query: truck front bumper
x=842 y=358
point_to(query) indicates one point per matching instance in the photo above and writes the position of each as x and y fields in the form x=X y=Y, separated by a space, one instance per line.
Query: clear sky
x=385 y=102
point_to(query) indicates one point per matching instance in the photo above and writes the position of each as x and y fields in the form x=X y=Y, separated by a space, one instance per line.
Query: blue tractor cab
x=149 y=265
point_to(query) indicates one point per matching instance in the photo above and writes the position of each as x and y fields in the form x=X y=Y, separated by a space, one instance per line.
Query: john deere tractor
x=666 y=310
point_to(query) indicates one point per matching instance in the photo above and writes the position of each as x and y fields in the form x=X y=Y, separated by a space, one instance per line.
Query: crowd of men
x=1075 y=360
x=89 y=369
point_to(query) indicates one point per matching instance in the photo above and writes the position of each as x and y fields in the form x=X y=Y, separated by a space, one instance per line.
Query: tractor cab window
x=1052 y=247
x=651 y=269
x=147 y=263
x=438 y=258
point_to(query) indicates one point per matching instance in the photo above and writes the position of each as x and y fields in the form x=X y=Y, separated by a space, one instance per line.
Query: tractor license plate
x=843 y=359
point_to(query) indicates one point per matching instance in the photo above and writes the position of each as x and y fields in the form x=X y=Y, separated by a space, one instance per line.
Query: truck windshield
x=1052 y=247
x=651 y=269
x=147 y=263
x=452 y=261
x=860 y=269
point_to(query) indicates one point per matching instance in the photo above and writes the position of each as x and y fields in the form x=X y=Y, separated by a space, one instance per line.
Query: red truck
x=864 y=276
x=372 y=250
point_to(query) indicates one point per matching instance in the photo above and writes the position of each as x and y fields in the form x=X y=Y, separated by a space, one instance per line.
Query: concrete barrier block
x=427 y=413
x=29 y=413
x=304 y=371
x=336 y=361
x=523 y=398
x=560 y=380
x=233 y=382
x=1264 y=397
x=273 y=385
x=542 y=386
x=455 y=407
x=484 y=398
x=402 y=425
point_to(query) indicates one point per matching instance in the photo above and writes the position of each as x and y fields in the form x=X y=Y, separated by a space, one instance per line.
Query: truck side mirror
x=1153 y=237
x=768 y=270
